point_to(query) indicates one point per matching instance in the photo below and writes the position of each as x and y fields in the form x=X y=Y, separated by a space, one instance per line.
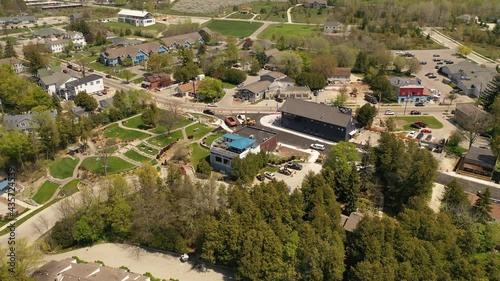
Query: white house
x=89 y=84
x=56 y=45
x=16 y=64
x=23 y=122
x=77 y=38
x=137 y=18
x=55 y=83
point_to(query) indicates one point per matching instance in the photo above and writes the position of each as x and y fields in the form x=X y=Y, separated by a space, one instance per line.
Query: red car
x=426 y=131
x=421 y=124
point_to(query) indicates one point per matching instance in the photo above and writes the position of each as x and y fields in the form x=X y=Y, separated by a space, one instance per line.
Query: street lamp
x=406 y=103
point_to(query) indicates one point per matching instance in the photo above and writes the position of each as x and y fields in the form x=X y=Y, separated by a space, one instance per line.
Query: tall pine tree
x=487 y=97
x=9 y=51
x=482 y=208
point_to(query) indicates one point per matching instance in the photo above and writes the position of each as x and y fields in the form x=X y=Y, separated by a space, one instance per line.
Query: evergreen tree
x=361 y=64
x=482 y=208
x=9 y=51
x=488 y=95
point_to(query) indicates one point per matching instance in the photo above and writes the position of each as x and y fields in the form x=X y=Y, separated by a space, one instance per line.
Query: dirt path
x=140 y=261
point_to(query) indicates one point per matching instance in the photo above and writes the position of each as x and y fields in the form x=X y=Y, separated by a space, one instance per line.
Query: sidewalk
x=268 y=121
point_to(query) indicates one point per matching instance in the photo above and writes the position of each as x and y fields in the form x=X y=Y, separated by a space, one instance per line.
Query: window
x=226 y=161
x=218 y=159
x=98 y=82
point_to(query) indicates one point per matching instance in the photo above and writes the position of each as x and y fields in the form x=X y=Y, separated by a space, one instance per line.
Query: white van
x=317 y=146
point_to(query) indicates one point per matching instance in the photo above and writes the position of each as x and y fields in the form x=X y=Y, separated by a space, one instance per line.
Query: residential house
x=23 y=122
x=125 y=42
x=90 y=84
x=69 y=269
x=271 y=53
x=468 y=111
x=16 y=64
x=137 y=53
x=239 y=144
x=56 y=45
x=157 y=81
x=206 y=31
x=467 y=18
x=478 y=162
x=56 y=83
x=254 y=91
x=75 y=17
x=17 y=20
x=183 y=40
x=137 y=18
x=350 y=223
x=106 y=103
x=319 y=120
x=272 y=76
x=409 y=90
x=188 y=89
x=333 y=27
x=77 y=38
x=295 y=92
x=469 y=77
x=49 y=70
x=79 y=112
x=341 y=75
x=246 y=11
x=48 y=32
x=316 y=4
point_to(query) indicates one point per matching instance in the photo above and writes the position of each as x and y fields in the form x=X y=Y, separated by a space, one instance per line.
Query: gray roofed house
x=84 y=80
x=464 y=112
x=55 y=83
x=23 y=122
x=272 y=76
x=124 y=42
x=79 y=111
x=254 y=91
x=478 y=162
x=185 y=40
x=16 y=64
x=333 y=27
x=106 y=103
x=74 y=17
x=17 y=20
x=48 y=32
x=351 y=223
x=469 y=77
x=320 y=120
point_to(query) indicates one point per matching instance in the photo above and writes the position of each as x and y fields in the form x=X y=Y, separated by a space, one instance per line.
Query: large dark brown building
x=157 y=81
x=478 y=161
x=319 y=120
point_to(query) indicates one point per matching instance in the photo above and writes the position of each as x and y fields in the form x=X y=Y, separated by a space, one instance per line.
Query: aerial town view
x=279 y=140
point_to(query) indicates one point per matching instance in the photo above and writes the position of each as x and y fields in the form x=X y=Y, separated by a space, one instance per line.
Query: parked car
x=439 y=62
x=209 y=112
x=421 y=124
x=436 y=67
x=389 y=112
x=212 y=104
x=295 y=166
x=90 y=70
x=436 y=55
x=65 y=71
x=415 y=112
x=428 y=138
x=442 y=141
x=430 y=73
x=109 y=76
x=426 y=131
x=420 y=136
x=261 y=177
x=416 y=126
x=317 y=146
x=423 y=62
x=432 y=76
x=486 y=135
x=230 y=121
x=279 y=99
x=411 y=134
x=269 y=175
x=420 y=104
x=285 y=171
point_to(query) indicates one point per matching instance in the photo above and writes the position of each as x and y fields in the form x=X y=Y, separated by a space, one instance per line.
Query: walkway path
x=260 y=29
x=289 y=14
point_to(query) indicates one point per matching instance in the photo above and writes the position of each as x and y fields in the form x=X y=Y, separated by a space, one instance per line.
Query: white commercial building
x=89 y=84
x=137 y=18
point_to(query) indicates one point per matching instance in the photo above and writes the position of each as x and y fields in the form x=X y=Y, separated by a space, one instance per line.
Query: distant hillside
x=209 y=6
x=12 y=7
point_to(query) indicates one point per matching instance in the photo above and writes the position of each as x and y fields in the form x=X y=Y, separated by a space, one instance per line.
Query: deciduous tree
x=151 y=115
x=86 y=101
x=366 y=114
x=312 y=80
x=289 y=63
x=9 y=51
x=324 y=65
x=211 y=89
x=160 y=63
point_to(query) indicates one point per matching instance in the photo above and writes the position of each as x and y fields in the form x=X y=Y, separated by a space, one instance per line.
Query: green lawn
x=265 y=10
x=299 y=15
x=234 y=28
x=199 y=153
x=70 y=188
x=122 y=75
x=63 y=168
x=210 y=139
x=132 y=154
x=45 y=192
x=276 y=30
x=138 y=80
x=147 y=149
x=228 y=85
x=431 y=122
x=182 y=123
x=100 y=67
x=115 y=165
x=240 y=16
x=135 y=123
x=114 y=131
x=164 y=141
x=121 y=25
x=198 y=130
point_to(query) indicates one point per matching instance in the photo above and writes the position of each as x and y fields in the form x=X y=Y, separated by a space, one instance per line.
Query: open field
x=182 y=123
x=271 y=11
x=135 y=123
x=198 y=130
x=405 y=121
x=234 y=28
x=241 y=16
x=276 y=30
x=207 y=7
x=70 y=188
x=132 y=154
x=63 y=168
x=45 y=192
x=121 y=25
x=115 y=165
x=163 y=140
x=198 y=153
x=123 y=134
x=313 y=16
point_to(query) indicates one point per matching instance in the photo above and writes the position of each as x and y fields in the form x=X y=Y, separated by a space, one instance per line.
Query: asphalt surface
x=469 y=186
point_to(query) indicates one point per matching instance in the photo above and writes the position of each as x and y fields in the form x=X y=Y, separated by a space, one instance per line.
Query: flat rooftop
x=259 y=135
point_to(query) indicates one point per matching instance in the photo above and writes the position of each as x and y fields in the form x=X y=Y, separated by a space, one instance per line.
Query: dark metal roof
x=84 y=80
x=315 y=111
x=481 y=157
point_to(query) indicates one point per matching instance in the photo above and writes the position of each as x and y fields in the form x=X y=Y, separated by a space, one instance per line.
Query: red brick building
x=157 y=81
x=410 y=90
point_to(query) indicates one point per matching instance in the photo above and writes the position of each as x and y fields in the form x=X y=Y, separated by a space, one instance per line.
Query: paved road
x=469 y=185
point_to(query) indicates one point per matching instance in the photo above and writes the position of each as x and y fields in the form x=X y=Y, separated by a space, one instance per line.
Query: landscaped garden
x=198 y=131
x=210 y=139
x=163 y=140
x=70 y=188
x=179 y=124
x=405 y=122
x=45 y=192
x=134 y=155
x=113 y=131
x=277 y=30
x=115 y=165
x=63 y=168
x=234 y=28
x=147 y=149
x=199 y=153
x=135 y=123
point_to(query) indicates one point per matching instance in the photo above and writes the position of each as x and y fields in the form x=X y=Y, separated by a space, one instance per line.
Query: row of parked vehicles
x=285 y=170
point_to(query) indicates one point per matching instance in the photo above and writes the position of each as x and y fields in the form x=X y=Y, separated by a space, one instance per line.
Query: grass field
x=132 y=154
x=63 y=168
x=45 y=192
x=271 y=11
x=164 y=141
x=198 y=130
x=228 y=85
x=240 y=16
x=70 y=188
x=234 y=28
x=299 y=14
x=121 y=25
x=114 y=131
x=199 y=153
x=135 y=123
x=182 y=123
x=100 y=67
x=275 y=30
x=210 y=139
x=115 y=165
x=406 y=121
x=148 y=150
